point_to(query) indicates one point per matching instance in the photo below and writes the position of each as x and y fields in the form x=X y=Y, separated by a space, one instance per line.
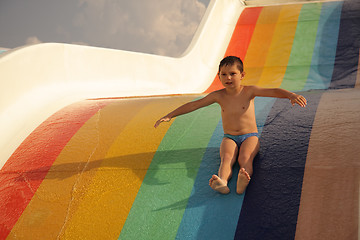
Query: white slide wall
x=39 y=80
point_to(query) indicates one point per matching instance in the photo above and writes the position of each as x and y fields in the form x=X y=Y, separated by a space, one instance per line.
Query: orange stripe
x=18 y=181
x=280 y=48
x=240 y=39
x=243 y=32
x=260 y=44
x=71 y=172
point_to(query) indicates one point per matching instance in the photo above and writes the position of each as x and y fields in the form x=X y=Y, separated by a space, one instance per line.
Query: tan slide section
x=330 y=194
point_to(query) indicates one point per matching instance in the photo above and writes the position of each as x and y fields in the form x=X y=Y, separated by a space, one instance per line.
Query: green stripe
x=303 y=46
x=160 y=204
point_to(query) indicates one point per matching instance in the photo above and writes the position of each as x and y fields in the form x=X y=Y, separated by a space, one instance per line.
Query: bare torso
x=237 y=111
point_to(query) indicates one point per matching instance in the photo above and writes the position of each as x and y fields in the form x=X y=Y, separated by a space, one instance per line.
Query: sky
x=162 y=27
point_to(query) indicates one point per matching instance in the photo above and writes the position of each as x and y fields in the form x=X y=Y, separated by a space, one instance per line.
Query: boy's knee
x=244 y=157
x=227 y=158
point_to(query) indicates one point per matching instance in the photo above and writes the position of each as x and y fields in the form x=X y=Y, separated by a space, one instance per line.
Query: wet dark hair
x=231 y=60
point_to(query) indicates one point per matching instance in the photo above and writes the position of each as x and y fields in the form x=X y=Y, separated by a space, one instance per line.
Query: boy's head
x=231 y=60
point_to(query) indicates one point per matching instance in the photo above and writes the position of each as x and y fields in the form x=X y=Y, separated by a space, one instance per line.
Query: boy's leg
x=228 y=155
x=248 y=150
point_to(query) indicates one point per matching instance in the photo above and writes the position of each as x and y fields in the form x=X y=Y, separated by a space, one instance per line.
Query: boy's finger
x=300 y=102
x=303 y=101
x=156 y=124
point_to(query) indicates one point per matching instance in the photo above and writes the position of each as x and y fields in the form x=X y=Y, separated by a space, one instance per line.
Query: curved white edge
x=41 y=79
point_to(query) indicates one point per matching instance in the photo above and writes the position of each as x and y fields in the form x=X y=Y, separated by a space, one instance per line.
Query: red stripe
x=240 y=39
x=24 y=171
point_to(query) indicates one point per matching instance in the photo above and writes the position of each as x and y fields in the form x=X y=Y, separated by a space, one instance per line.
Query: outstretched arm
x=280 y=93
x=188 y=107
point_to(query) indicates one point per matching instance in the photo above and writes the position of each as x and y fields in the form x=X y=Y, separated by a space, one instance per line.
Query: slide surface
x=97 y=169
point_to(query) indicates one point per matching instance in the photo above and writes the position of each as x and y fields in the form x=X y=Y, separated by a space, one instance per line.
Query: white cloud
x=32 y=40
x=152 y=26
x=155 y=26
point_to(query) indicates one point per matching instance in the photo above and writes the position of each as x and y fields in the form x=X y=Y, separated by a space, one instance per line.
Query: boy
x=240 y=141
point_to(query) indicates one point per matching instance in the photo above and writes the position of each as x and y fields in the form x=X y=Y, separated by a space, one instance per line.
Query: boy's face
x=230 y=76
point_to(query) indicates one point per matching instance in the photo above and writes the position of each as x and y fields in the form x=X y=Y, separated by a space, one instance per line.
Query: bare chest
x=236 y=106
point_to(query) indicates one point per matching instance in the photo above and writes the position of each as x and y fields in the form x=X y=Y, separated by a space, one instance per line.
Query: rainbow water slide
x=80 y=158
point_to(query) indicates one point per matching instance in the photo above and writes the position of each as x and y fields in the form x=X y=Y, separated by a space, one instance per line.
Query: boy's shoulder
x=249 y=87
x=218 y=92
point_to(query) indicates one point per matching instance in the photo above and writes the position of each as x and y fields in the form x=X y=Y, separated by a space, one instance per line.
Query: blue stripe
x=210 y=215
x=262 y=108
x=323 y=59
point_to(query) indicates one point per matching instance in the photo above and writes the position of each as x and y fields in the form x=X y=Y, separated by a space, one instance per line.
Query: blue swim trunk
x=239 y=139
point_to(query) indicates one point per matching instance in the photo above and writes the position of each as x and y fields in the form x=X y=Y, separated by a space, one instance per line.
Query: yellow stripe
x=62 y=188
x=256 y=55
x=105 y=205
x=281 y=45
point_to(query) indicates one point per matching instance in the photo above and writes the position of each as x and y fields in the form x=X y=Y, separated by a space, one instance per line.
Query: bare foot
x=218 y=185
x=242 y=181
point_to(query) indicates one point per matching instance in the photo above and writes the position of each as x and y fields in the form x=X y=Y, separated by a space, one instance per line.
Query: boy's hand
x=163 y=119
x=298 y=99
